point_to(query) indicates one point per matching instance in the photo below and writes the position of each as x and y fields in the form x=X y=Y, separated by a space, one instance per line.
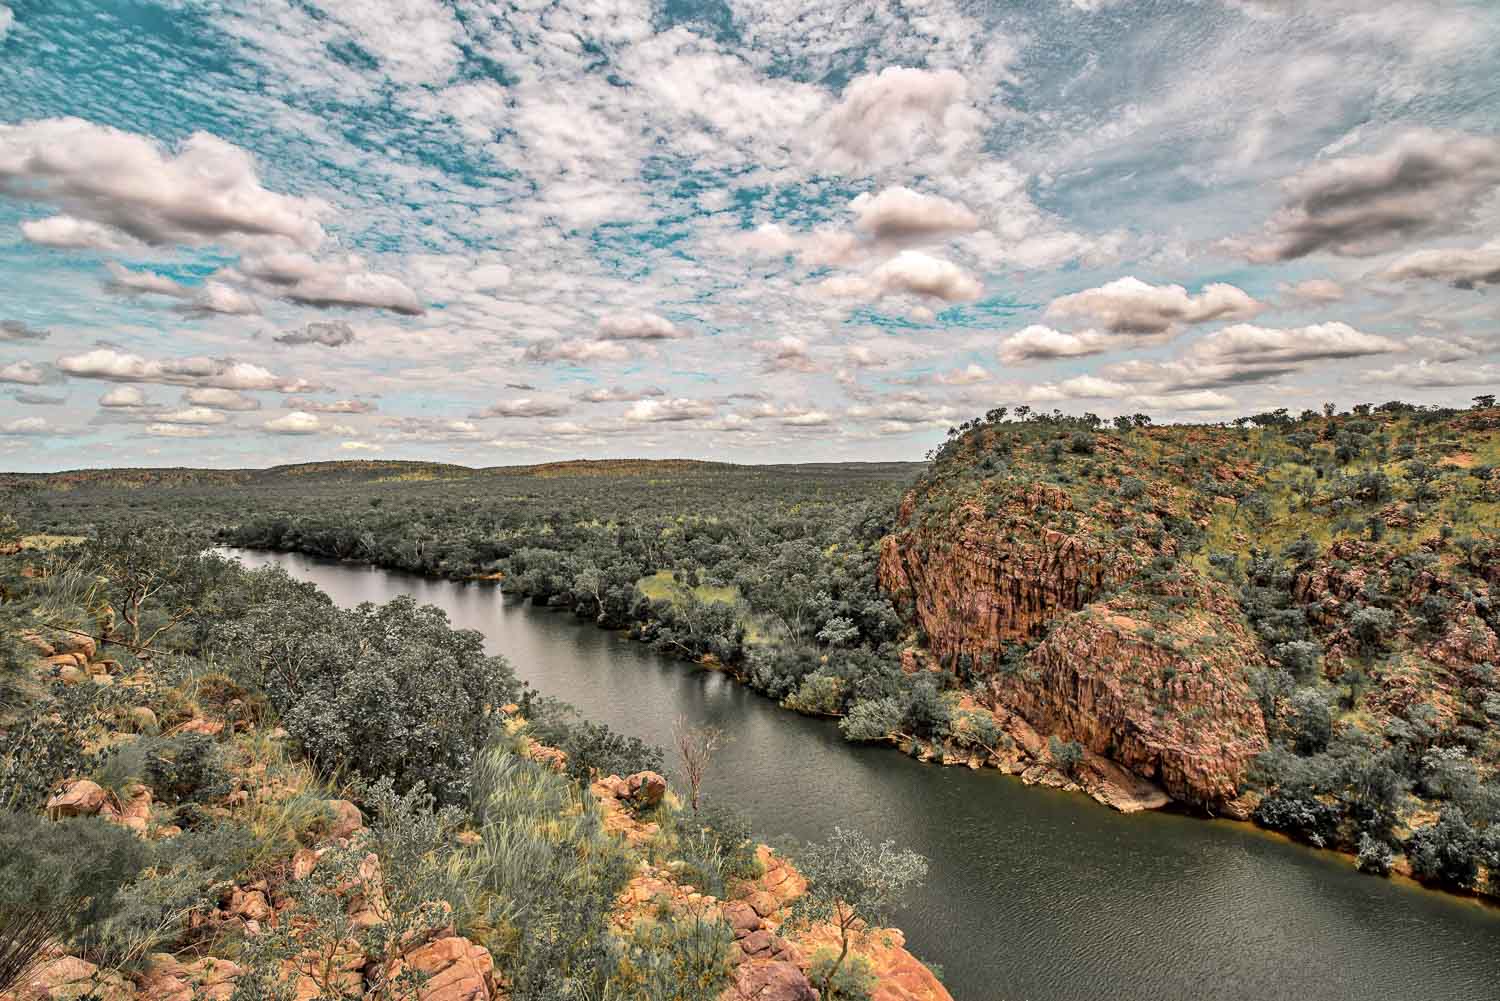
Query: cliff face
x=1144 y=669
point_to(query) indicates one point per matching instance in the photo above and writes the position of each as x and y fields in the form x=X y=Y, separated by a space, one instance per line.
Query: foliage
x=853 y=980
x=593 y=749
x=856 y=885
x=389 y=690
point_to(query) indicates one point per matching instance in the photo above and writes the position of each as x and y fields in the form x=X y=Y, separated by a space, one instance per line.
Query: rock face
x=1149 y=678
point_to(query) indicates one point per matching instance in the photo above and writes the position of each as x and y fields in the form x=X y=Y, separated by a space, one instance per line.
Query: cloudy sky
x=240 y=232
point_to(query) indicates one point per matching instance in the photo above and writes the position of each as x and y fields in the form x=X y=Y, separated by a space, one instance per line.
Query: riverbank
x=1027 y=758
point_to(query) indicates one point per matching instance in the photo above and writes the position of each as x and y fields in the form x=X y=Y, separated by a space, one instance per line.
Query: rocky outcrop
x=977 y=583
x=1147 y=674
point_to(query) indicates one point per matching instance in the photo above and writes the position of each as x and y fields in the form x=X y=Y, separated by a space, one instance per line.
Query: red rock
x=81 y=798
x=769 y=980
x=646 y=789
x=456 y=969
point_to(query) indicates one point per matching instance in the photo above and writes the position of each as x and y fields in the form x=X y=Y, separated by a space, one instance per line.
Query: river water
x=1034 y=895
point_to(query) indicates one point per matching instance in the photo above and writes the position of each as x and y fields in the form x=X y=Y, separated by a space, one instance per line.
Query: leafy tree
x=855 y=885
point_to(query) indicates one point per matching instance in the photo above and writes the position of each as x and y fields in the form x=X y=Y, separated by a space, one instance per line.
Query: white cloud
x=331 y=406
x=900 y=214
x=118 y=366
x=360 y=446
x=191 y=415
x=164 y=430
x=1247 y=342
x=638 y=327
x=67 y=233
x=1038 y=342
x=1130 y=306
x=577 y=350
x=786 y=354
x=1081 y=387
x=618 y=394
x=1427 y=374
x=668 y=410
x=296 y=422
x=219 y=399
x=970 y=375
x=345 y=282
x=25 y=373
x=1462 y=268
x=888 y=118
x=910 y=272
x=7 y=18
x=27 y=426
x=526 y=406
x=124 y=397
x=207 y=191
x=1190 y=402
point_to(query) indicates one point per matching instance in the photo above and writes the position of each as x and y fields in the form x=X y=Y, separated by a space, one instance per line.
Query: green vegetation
x=224 y=764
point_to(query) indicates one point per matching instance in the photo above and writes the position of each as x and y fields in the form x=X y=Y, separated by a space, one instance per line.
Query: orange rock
x=81 y=798
x=456 y=970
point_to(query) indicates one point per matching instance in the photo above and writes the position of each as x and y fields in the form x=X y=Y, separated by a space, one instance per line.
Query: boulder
x=455 y=969
x=344 y=819
x=206 y=979
x=81 y=798
x=645 y=789
x=741 y=917
x=68 y=978
x=71 y=675
x=769 y=980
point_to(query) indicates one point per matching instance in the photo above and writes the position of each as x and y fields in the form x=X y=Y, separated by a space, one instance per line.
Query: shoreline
x=1486 y=901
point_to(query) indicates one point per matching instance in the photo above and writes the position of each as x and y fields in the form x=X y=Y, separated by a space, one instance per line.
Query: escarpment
x=1072 y=632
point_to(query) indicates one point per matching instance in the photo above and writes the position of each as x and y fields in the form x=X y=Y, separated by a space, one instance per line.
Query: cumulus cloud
x=296 y=422
x=26 y=373
x=360 y=446
x=1313 y=291
x=1039 y=342
x=1130 y=306
x=218 y=399
x=118 y=366
x=970 y=375
x=15 y=330
x=66 y=233
x=211 y=297
x=347 y=281
x=329 y=333
x=577 y=350
x=785 y=354
x=205 y=192
x=1426 y=183
x=618 y=394
x=165 y=430
x=330 y=406
x=900 y=214
x=1082 y=387
x=124 y=398
x=526 y=406
x=1190 y=402
x=910 y=272
x=668 y=410
x=1320 y=341
x=888 y=117
x=28 y=426
x=7 y=18
x=637 y=326
x=1427 y=374
x=1459 y=267
x=423 y=429
x=1452 y=348
x=191 y=415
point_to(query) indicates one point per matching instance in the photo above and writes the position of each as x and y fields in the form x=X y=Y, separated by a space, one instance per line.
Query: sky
x=248 y=232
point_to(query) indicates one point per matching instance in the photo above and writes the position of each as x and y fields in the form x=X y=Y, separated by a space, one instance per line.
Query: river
x=1034 y=895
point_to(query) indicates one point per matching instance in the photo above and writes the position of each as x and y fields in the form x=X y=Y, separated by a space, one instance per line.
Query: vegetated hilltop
x=1293 y=618
x=216 y=784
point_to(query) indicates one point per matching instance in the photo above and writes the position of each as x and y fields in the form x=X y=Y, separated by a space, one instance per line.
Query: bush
x=818 y=695
x=1447 y=851
x=185 y=769
x=388 y=690
x=58 y=881
x=1067 y=755
x=1375 y=856
x=717 y=850
x=593 y=749
x=853 y=980
x=872 y=720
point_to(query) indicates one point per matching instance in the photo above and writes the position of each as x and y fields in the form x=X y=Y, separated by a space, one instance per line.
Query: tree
x=696 y=745
x=855 y=885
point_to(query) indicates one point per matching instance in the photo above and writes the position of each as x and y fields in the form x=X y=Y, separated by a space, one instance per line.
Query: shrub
x=378 y=690
x=853 y=980
x=818 y=695
x=680 y=959
x=185 y=769
x=58 y=880
x=872 y=720
x=1067 y=755
x=1375 y=856
x=593 y=749
x=1447 y=851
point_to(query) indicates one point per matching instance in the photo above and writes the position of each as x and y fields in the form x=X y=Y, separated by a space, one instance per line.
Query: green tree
x=855 y=885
